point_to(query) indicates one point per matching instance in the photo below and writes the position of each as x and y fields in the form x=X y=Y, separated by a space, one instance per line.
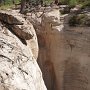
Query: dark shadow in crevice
x=10 y=29
x=45 y=64
x=21 y=39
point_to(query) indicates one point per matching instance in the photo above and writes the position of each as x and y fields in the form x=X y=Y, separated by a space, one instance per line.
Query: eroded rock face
x=18 y=67
x=64 y=53
x=76 y=74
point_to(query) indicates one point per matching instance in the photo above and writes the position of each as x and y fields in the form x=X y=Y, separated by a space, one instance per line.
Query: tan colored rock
x=50 y=20
x=18 y=67
x=24 y=31
x=17 y=24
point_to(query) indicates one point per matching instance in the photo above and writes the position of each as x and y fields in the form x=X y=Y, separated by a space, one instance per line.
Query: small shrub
x=73 y=21
x=79 y=20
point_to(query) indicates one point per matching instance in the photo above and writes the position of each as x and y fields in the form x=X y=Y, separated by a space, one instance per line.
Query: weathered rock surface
x=10 y=17
x=18 y=67
x=64 y=55
x=17 y=24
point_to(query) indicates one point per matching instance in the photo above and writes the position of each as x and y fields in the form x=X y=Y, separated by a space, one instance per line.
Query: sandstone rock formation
x=64 y=52
x=18 y=53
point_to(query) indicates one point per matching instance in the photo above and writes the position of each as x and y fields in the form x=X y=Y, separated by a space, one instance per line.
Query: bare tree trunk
x=23 y=5
x=56 y=1
x=13 y=1
x=41 y=1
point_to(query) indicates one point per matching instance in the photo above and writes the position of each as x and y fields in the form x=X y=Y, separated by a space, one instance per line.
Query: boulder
x=18 y=58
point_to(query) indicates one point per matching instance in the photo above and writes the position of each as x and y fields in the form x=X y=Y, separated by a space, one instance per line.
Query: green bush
x=79 y=20
x=85 y=4
x=6 y=2
x=73 y=21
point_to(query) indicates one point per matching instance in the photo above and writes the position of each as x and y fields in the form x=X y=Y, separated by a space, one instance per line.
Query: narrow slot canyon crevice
x=46 y=48
x=46 y=64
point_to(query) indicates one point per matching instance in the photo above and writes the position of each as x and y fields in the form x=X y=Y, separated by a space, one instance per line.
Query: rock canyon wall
x=63 y=52
x=18 y=53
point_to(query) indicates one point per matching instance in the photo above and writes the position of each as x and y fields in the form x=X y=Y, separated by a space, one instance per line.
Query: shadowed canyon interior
x=62 y=52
